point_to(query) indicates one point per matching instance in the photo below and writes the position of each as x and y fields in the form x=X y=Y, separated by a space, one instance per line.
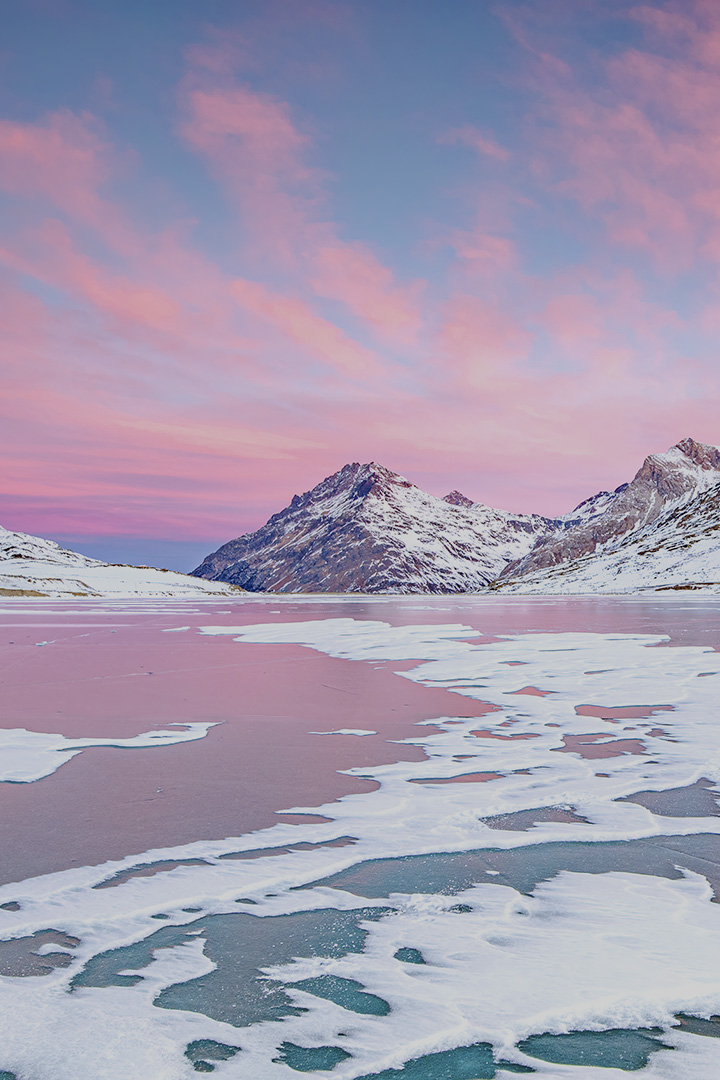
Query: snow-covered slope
x=661 y=531
x=31 y=566
x=367 y=529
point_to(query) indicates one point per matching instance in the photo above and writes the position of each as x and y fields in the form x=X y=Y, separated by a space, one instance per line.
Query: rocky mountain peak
x=368 y=529
x=679 y=470
x=353 y=482
x=707 y=457
x=456 y=498
x=663 y=480
x=376 y=480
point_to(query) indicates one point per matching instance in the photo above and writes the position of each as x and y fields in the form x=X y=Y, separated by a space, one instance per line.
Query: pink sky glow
x=195 y=327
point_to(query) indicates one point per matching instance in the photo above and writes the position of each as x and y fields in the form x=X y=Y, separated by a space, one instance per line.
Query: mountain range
x=367 y=529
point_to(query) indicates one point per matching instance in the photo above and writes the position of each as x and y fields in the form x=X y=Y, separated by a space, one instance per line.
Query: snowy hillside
x=367 y=529
x=661 y=531
x=31 y=566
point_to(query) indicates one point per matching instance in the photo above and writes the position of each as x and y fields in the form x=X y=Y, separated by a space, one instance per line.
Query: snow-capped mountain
x=367 y=529
x=660 y=531
x=31 y=566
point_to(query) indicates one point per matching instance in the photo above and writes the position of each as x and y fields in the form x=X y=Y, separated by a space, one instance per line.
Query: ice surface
x=515 y=943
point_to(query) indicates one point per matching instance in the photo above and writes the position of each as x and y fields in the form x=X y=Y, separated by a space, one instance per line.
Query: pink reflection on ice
x=589 y=746
x=622 y=712
x=465 y=778
x=119 y=675
x=532 y=691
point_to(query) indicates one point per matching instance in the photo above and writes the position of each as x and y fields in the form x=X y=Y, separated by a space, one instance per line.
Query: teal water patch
x=696 y=1025
x=240 y=944
x=615 y=1049
x=524 y=820
x=203 y=1052
x=409 y=956
x=262 y=853
x=347 y=993
x=5 y=1075
x=19 y=957
x=474 y=1062
x=524 y=868
x=696 y=800
x=310 y=1058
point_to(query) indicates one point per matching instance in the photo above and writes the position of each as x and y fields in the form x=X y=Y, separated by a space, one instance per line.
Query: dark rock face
x=707 y=457
x=456 y=498
x=367 y=529
x=608 y=516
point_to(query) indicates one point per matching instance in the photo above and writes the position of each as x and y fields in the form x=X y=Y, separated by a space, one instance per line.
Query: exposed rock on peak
x=355 y=481
x=702 y=454
x=680 y=469
x=368 y=529
x=456 y=498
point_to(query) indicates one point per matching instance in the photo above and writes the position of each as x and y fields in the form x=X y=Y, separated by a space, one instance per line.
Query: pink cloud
x=639 y=149
x=481 y=343
x=469 y=136
x=260 y=154
x=62 y=158
x=293 y=317
x=352 y=274
x=65 y=160
x=485 y=252
x=247 y=132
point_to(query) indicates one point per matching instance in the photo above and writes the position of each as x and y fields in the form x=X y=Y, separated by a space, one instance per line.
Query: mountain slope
x=31 y=566
x=662 y=530
x=367 y=529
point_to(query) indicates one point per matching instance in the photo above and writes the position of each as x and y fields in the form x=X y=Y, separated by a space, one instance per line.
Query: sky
x=243 y=242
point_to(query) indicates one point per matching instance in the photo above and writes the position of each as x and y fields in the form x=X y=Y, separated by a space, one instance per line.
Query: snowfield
x=31 y=566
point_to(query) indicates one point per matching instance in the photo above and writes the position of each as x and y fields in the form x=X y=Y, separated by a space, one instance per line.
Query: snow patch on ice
x=26 y=756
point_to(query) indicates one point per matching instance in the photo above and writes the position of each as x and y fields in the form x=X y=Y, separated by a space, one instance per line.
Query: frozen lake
x=389 y=839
